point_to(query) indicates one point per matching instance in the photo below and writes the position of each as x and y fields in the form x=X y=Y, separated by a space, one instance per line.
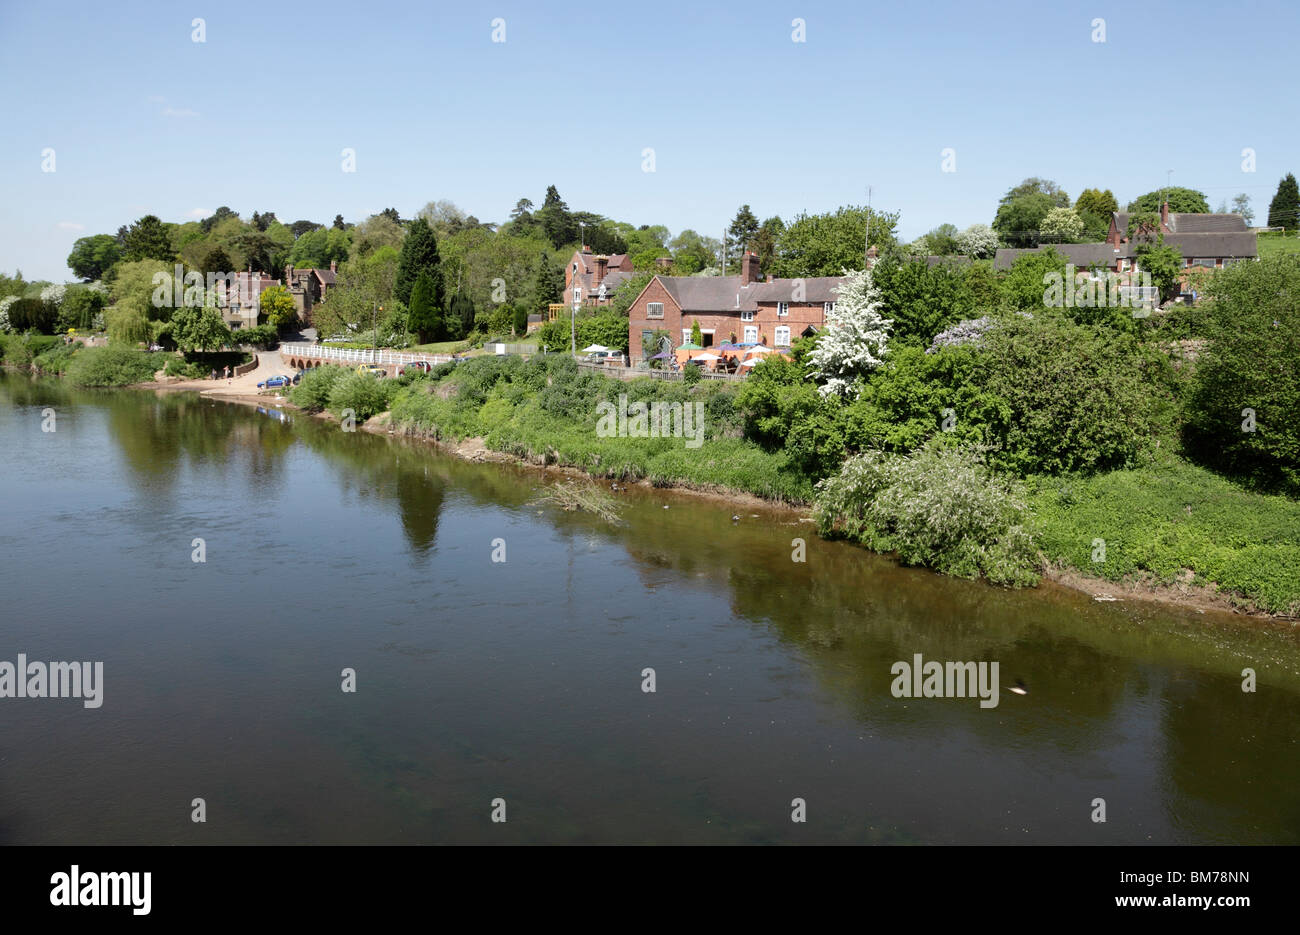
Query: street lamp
x=573 y=321
x=374 y=332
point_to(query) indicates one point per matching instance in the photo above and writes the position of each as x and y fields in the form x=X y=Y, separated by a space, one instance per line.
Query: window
x=654 y=310
x=782 y=335
x=751 y=334
x=1207 y=262
x=828 y=307
x=782 y=309
x=746 y=316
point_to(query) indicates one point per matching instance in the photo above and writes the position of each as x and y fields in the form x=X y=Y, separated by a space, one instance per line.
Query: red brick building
x=730 y=309
x=591 y=271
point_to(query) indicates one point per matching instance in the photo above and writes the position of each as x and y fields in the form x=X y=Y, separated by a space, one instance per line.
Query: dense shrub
x=941 y=507
x=782 y=409
x=57 y=359
x=364 y=394
x=920 y=299
x=115 y=365
x=1251 y=362
x=1074 y=397
x=313 y=391
x=261 y=336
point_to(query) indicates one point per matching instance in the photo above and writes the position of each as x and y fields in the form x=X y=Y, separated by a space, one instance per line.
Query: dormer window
x=782 y=309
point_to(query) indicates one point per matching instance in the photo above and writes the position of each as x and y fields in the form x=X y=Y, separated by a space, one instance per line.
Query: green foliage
x=782 y=409
x=115 y=365
x=520 y=323
x=33 y=314
x=1181 y=201
x=148 y=239
x=276 y=307
x=199 y=329
x=1019 y=220
x=1169 y=516
x=56 y=359
x=1024 y=284
x=941 y=507
x=364 y=394
x=1075 y=397
x=827 y=244
x=424 y=317
x=313 y=391
x=93 y=256
x=1251 y=361
x=1284 y=209
x=79 y=308
x=697 y=335
x=1164 y=263
x=419 y=256
x=920 y=299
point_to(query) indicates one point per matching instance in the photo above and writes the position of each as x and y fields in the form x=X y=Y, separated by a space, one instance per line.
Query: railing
x=629 y=373
x=359 y=355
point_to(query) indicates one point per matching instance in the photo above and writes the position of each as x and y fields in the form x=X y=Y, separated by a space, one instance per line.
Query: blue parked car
x=272 y=382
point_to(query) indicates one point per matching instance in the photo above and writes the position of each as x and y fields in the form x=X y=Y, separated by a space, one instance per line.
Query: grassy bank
x=1161 y=521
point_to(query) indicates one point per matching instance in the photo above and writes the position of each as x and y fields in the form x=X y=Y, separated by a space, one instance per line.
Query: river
x=522 y=680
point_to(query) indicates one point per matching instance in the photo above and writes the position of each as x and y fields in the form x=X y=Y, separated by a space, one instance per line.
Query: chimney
x=664 y=262
x=586 y=249
x=288 y=273
x=748 y=268
x=334 y=266
x=872 y=253
x=1164 y=214
x=602 y=264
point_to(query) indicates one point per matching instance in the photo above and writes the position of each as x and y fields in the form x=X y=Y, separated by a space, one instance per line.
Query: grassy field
x=1162 y=519
x=1270 y=244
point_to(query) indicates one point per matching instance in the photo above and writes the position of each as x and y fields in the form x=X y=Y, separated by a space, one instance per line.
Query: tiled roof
x=730 y=294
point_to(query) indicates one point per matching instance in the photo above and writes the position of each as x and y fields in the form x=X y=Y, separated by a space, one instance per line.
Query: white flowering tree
x=4 y=312
x=979 y=241
x=853 y=342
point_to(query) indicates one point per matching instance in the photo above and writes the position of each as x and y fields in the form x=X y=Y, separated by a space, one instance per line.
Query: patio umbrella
x=749 y=361
x=759 y=349
x=706 y=356
x=690 y=347
x=594 y=348
x=662 y=355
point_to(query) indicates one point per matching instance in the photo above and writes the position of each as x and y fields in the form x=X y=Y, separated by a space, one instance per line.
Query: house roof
x=1236 y=244
x=1182 y=222
x=730 y=294
x=1082 y=255
x=326 y=276
x=612 y=281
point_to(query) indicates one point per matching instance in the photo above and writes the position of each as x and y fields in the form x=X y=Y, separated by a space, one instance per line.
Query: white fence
x=359 y=355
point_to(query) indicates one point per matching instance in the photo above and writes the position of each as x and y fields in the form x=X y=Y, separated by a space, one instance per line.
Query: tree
x=1250 y=362
x=147 y=239
x=1020 y=219
x=257 y=249
x=215 y=260
x=520 y=321
x=697 y=335
x=1143 y=225
x=1241 y=205
x=1181 y=201
x=921 y=300
x=825 y=244
x=1095 y=208
x=302 y=227
x=221 y=214
x=317 y=248
x=92 y=256
x=1284 y=209
x=548 y=284
x=1163 y=263
x=199 y=328
x=854 y=340
x=419 y=255
x=557 y=223
x=764 y=242
x=378 y=230
x=978 y=241
x=338 y=223
x=1061 y=225
x=740 y=234
x=424 y=317
x=1036 y=186
x=276 y=307
x=1096 y=201
x=461 y=312
x=693 y=252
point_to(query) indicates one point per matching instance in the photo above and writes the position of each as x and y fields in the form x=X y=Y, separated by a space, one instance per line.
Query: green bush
x=941 y=507
x=57 y=359
x=1251 y=362
x=364 y=394
x=1065 y=397
x=115 y=365
x=313 y=391
x=189 y=369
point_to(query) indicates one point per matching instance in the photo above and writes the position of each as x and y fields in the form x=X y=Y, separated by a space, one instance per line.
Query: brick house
x=309 y=287
x=739 y=309
x=240 y=297
x=591 y=272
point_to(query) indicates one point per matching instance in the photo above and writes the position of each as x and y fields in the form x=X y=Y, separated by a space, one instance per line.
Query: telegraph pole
x=866 y=236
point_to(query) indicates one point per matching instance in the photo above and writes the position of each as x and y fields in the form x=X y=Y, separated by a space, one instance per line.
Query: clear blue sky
x=144 y=120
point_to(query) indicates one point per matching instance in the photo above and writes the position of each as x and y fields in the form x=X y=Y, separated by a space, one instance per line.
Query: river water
x=522 y=681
